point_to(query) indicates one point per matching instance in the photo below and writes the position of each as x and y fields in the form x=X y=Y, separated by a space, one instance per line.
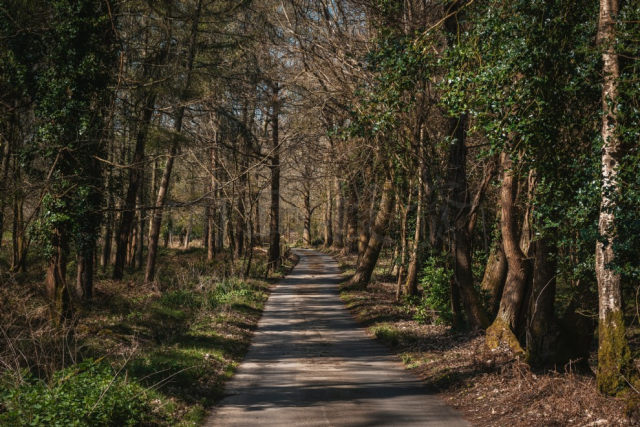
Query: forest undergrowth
x=490 y=388
x=151 y=354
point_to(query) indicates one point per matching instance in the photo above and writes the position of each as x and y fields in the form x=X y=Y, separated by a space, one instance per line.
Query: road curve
x=310 y=364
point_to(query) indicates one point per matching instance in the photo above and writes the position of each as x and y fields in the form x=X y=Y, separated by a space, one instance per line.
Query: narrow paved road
x=310 y=364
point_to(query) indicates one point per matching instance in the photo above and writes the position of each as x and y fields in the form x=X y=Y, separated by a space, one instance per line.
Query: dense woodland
x=490 y=147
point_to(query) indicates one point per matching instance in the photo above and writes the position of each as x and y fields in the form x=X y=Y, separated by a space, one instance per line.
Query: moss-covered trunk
x=503 y=327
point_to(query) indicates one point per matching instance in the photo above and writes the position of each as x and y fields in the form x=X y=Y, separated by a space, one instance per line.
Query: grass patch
x=139 y=354
x=387 y=334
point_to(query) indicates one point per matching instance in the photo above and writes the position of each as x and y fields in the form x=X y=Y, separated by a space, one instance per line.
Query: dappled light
x=319 y=212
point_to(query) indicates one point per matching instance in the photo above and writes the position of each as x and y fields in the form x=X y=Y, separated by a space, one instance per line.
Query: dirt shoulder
x=490 y=388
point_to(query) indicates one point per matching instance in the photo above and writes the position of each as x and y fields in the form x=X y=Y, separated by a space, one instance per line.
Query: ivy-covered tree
x=71 y=104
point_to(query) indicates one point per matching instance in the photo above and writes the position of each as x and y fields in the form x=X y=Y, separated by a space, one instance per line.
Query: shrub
x=87 y=394
x=387 y=334
x=230 y=291
x=181 y=298
x=435 y=281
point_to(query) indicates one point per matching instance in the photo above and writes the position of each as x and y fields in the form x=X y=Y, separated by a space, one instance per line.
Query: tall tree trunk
x=108 y=233
x=229 y=235
x=542 y=333
x=205 y=229
x=88 y=228
x=457 y=321
x=142 y=213
x=56 y=280
x=211 y=233
x=306 y=231
x=156 y=218
x=463 y=220
x=328 y=218
x=495 y=274
x=166 y=237
x=365 y=268
x=274 y=221
x=351 y=245
x=503 y=327
x=257 y=235
x=136 y=175
x=133 y=244
x=397 y=208
x=4 y=188
x=614 y=358
x=338 y=240
x=84 y=274
x=243 y=183
x=403 y=246
x=187 y=236
x=240 y=222
x=432 y=216
x=394 y=258
x=18 y=261
x=211 y=211
x=366 y=220
x=219 y=221
x=363 y=235
x=411 y=284
x=154 y=233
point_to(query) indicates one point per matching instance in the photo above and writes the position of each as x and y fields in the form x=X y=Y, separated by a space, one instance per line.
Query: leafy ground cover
x=139 y=354
x=491 y=388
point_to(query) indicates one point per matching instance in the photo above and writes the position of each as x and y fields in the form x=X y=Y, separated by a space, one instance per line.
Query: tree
x=613 y=351
x=274 y=213
x=369 y=259
x=154 y=232
x=71 y=92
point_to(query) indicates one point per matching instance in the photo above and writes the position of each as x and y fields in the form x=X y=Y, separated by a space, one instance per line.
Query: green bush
x=181 y=298
x=87 y=394
x=435 y=281
x=259 y=269
x=229 y=291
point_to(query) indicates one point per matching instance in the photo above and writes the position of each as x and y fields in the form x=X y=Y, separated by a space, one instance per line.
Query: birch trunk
x=613 y=350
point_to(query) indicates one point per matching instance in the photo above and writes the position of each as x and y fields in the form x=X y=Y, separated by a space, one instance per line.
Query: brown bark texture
x=503 y=327
x=274 y=219
x=365 y=268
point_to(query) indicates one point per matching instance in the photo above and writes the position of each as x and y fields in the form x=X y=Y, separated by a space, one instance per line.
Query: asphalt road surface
x=310 y=364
